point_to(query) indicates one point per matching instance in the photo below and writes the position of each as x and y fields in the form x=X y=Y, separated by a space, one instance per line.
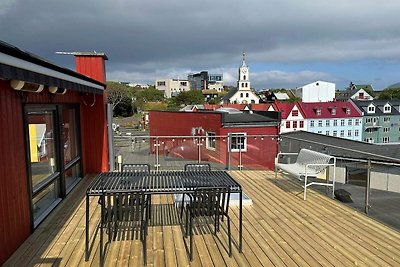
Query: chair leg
x=191 y=239
x=229 y=236
x=187 y=223
x=144 y=244
x=182 y=205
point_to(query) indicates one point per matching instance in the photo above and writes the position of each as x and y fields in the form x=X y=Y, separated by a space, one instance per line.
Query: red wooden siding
x=94 y=119
x=14 y=197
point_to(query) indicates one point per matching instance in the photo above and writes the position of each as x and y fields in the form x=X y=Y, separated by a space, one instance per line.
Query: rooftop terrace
x=280 y=229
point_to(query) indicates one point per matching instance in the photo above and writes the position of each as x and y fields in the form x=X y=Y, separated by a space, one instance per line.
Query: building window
x=349 y=122
x=327 y=123
x=357 y=122
x=295 y=113
x=239 y=142
x=341 y=122
x=349 y=133
x=356 y=133
x=210 y=141
x=318 y=112
x=387 y=109
x=368 y=120
x=334 y=133
x=386 y=119
x=386 y=129
x=295 y=124
x=247 y=94
x=333 y=112
x=160 y=83
x=288 y=124
x=341 y=133
x=320 y=123
x=311 y=123
x=319 y=132
x=347 y=111
x=244 y=77
x=327 y=133
x=241 y=94
x=371 y=109
x=242 y=84
x=334 y=122
x=385 y=139
x=369 y=140
x=301 y=124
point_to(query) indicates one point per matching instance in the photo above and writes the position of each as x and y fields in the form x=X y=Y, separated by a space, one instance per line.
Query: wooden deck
x=280 y=229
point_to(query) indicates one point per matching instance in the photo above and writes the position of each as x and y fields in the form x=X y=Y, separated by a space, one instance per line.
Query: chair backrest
x=137 y=167
x=209 y=201
x=124 y=206
x=307 y=156
x=197 y=167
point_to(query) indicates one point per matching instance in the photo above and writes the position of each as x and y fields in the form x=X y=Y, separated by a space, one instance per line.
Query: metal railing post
x=157 y=146
x=199 y=144
x=229 y=150
x=368 y=187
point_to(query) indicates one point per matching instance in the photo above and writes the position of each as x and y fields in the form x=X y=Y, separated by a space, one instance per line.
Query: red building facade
x=52 y=132
x=257 y=132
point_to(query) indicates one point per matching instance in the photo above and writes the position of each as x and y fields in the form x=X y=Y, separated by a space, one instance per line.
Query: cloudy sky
x=288 y=43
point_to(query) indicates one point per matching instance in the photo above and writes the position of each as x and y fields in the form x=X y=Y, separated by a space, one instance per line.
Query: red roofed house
x=292 y=117
x=341 y=119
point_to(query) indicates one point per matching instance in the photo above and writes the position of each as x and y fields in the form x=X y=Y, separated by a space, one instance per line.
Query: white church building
x=242 y=94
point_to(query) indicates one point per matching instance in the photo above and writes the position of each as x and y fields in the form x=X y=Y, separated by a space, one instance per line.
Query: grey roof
x=247 y=119
x=230 y=94
x=345 y=95
x=341 y=147
x=10 y=72
x=363 y=106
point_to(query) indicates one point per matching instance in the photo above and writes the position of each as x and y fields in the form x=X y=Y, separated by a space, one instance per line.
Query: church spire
x=244 y=60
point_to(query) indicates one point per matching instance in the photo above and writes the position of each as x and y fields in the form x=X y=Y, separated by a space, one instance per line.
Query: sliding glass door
x=54 y=161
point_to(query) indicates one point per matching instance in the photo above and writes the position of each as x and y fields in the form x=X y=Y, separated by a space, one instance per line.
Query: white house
x=318 y=91
x=172 y=87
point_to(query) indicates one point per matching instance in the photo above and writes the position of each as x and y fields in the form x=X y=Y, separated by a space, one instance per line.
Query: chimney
x=91 y=64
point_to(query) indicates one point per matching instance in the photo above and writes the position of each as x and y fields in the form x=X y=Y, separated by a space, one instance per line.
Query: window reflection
x=69 y=128
x=42 y=146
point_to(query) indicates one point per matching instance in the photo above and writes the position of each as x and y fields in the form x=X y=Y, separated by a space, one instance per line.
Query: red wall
x=94 y=118
x=261 y=148
x=14 y=202
x=15 y=225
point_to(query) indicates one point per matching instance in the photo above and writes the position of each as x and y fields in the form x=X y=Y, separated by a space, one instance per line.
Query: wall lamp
x=57 y=90
x=26 y=86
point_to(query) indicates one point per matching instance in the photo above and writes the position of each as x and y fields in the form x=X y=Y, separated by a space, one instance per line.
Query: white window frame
x=236 y=135
x=210 y=142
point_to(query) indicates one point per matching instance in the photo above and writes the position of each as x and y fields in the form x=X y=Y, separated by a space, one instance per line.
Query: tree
x=390 y=93
x=124 y=107
x=191 y=97
x=116 y=92
x=143 y=96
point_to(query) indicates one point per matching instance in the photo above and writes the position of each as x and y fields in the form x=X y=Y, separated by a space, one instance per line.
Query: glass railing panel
x=258 y=154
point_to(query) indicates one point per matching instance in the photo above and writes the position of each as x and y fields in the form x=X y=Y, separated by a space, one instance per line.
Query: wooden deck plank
x=364 y=237
x=280 y=229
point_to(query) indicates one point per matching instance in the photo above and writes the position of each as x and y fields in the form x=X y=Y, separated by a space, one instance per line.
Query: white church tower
x=244 y=79
x=242 y=94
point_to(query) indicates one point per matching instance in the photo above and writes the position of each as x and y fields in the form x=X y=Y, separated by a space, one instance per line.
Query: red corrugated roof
x=310 y=110
x=285 y=108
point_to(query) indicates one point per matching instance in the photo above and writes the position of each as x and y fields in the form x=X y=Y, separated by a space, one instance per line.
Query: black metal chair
x=197 y=167
x=194 y=167
x=128 y=208
x=137 y=167
x=207 y=202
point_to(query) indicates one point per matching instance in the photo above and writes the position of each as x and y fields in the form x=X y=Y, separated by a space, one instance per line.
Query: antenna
x=66 y=53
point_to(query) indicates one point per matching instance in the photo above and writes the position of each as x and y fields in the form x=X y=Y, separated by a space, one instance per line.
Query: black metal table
x=162 y=182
